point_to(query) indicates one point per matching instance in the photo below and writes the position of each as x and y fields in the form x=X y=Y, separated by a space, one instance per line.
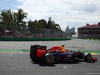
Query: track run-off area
x=87 y=46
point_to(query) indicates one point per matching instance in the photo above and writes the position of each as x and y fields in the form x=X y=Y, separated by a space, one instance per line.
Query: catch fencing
x=30 y=32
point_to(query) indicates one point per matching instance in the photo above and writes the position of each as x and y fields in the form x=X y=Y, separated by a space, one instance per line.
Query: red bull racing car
x=57 y=54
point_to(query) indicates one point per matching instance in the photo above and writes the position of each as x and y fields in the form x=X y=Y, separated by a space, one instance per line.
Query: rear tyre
x=88 y=57
x=49 y=59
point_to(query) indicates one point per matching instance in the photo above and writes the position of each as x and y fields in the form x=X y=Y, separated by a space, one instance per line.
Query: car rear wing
x=41 y=51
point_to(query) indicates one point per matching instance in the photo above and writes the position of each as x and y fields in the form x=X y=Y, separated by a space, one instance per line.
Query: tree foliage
x=6 y=17
x=55 y=26
x=43 y=24
x=11 y=19
x=20 y=17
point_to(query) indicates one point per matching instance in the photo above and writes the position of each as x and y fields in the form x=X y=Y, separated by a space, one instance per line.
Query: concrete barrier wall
x=34 y=39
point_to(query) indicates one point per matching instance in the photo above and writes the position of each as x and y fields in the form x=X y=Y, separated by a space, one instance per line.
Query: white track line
x=65 y=67
x=21 y=52
x=11 y=53
x=13 y=68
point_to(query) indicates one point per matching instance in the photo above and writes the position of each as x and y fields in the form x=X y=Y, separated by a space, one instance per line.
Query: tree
x=20 y=15
x=12 y=19
x=6 y=17
x=32 y=25
x=36 y=24
x=58 y=27
x=55 y=26
x=42 y=23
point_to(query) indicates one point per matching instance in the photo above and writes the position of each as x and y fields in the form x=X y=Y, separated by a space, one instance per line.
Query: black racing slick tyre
x=88 y=57
x=49 y=59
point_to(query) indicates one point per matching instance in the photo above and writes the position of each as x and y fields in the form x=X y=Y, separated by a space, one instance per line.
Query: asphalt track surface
x=74 y=44
x=14 y=59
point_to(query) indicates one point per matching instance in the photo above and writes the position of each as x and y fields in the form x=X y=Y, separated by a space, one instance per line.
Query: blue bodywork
x=67 y=56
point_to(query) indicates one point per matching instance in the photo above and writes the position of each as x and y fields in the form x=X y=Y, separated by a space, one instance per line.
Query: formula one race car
x=57 y=54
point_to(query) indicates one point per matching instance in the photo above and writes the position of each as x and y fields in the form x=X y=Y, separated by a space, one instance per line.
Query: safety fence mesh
x=30 y=32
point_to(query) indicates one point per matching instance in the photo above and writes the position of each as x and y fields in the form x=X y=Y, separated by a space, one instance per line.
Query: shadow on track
x=44 y=64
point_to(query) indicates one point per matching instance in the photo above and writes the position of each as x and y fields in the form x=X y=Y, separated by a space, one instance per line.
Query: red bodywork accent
x=95 y=59
x=78 y=53
x=41 y=52
x=55 y=48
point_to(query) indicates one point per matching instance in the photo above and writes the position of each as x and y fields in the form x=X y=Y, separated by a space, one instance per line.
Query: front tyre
x=88 y=57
